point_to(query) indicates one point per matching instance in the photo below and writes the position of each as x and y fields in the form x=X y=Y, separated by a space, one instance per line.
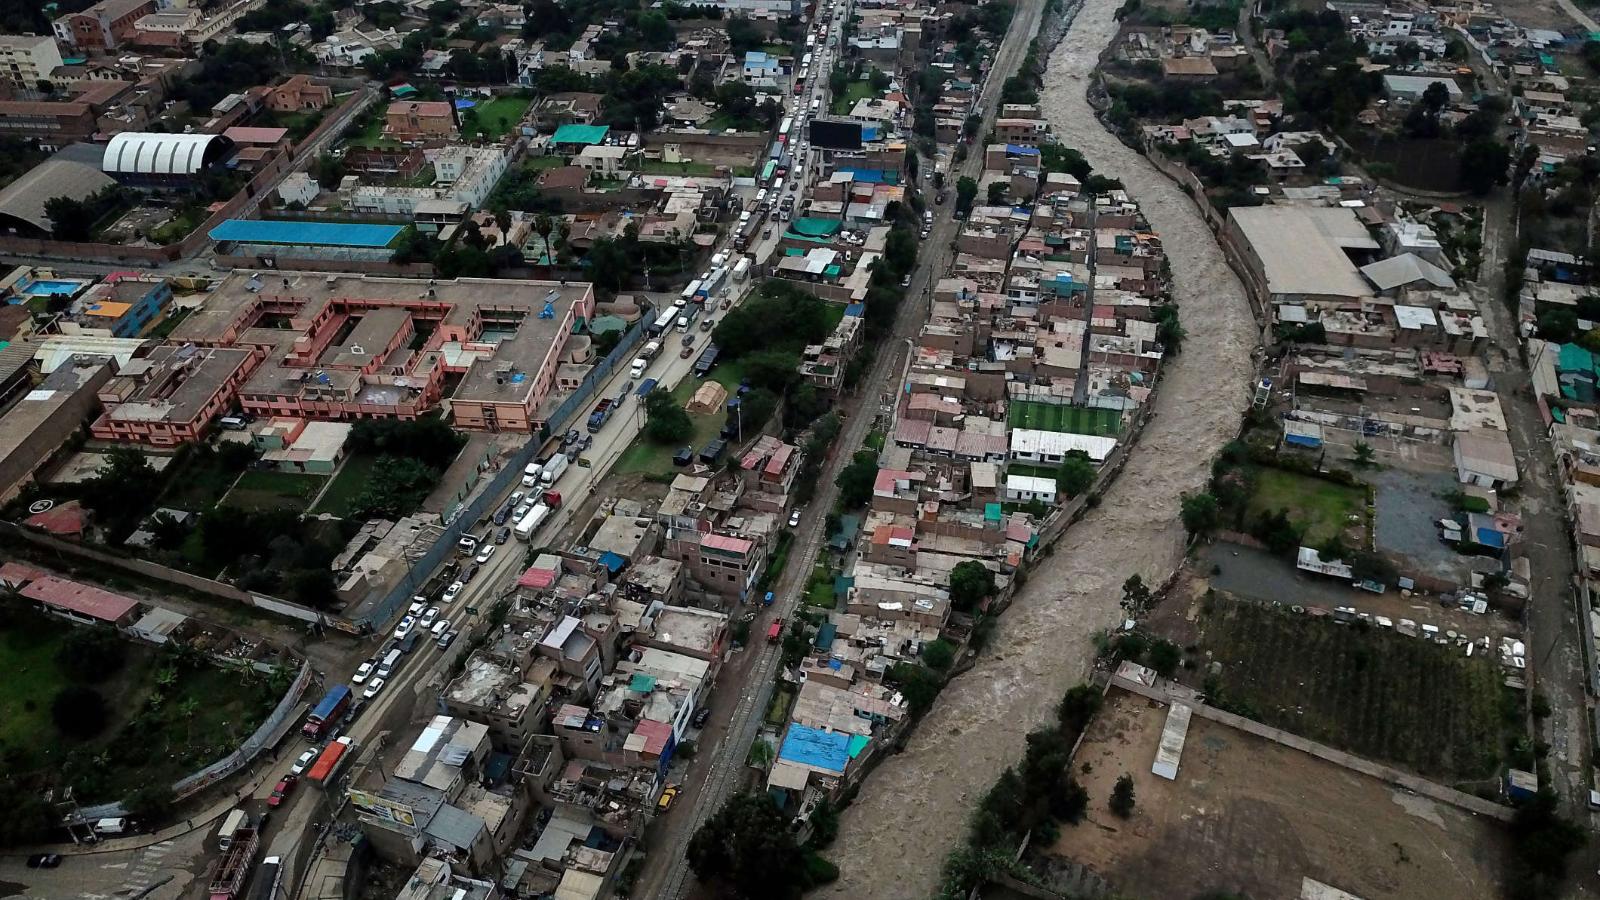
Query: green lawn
x=199 y=484
x=542 y=163
x=260 y=490
x=658 y=167
x=819 y=588
x=370 y=136
x=160 y=726
x=1016 y=468
x=835 y=314
x=860 y=89
x=495 y=117
x=348 y=484
x=1322 y=508
x=1065 y=419
x=647 y=458
x=165 y=327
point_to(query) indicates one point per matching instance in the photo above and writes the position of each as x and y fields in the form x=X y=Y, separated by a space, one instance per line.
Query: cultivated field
x=1252 y=818
x=1372 y=692
x=1065 y=419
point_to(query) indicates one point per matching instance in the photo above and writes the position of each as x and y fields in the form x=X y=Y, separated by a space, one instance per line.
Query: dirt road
x=915 y=807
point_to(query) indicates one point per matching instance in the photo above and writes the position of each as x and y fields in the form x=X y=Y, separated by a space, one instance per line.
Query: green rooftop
x=814 y=227
x=581 y=134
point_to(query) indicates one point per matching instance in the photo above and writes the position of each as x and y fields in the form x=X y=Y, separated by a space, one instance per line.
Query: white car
x=418 y=604
x=794 y=519
x=439 y=629
x=373 y=688
x=362 y=672
x=484 y=554
x=453 y=591
x=516 y=497
x=304 y=762
x=529 y=481
x=405 y=626
x=429 y=617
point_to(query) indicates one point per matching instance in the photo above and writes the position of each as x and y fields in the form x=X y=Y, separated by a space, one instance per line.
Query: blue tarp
x=320 y=234
x=869 y=176
x=828 y=751
x=825 y=636
x=855 y=309
x=1302 y=440
x=1021 y=150
x=1491 y=537
x=612 y=562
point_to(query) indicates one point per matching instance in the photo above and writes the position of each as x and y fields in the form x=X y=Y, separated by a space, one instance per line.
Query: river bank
x=914 y=809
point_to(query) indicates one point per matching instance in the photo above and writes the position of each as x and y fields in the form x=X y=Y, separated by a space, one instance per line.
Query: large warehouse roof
x=23 y=200
x=149 y=153
x=1302 y=250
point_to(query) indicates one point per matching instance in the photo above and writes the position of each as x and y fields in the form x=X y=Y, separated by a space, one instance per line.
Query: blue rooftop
x=856 y=310
x=321 y=234
x=829 y=751
x=612 y=561
x=1021 y=150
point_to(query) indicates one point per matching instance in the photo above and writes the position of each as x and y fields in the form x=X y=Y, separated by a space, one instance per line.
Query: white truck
x=741 y=269
x=642 y=361
x=553 y=469
x=530 y=475
x=531 y=522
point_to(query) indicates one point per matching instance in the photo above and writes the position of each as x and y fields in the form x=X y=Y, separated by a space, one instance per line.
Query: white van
x=386 y=668
x=638 y=367
x=816 y=104
x=117 y=825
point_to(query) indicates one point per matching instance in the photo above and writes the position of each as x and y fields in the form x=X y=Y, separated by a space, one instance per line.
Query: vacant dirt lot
x=1251 y=817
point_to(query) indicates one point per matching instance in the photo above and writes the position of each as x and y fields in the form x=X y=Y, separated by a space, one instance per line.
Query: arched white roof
x=151 y=153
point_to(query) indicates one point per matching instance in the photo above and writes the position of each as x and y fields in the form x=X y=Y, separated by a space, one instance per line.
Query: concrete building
x=39 y=423
x=299 y=93
x=121 y=306
x=103 y=26
x=172 y=396
x=1302 y=254
x=348 y=353
x=507 y=690
x=26 y=60
x=302 y=447
x=419 y=120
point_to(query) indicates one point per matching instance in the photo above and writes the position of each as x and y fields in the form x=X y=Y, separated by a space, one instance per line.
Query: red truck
x=326 y=768
x=552 y=499
x=327 y=711
x=227 y=880
x=775 y=633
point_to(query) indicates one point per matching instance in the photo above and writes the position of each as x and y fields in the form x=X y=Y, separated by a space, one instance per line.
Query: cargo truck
x=741 y=269
x=600 y=414
x=706 y=362
x=227 y=879
x=327 y=711
x=645 y=388
x=269 y=878
x=326 y=768
x=530 y=523
x=553 y=470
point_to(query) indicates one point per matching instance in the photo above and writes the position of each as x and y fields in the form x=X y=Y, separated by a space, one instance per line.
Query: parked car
x=446 y=639
x=281 y=791
x=303 y=762
x=503 y=535
x=453 y=591
x=405 y=626
x=586 y=443
x=686 y=352
x=373 y=688
x=501 y=515
x=441 y=628
x=44 y=860
x=418 y=604
x=571 y=437
x=516 y=497
x=701 y=716
x=905 y=282
x=708 y=324
x=429 y=617
x=688 y=340
x=667 y=796
x=484 y=553
x=363 y=671
x=794 y=519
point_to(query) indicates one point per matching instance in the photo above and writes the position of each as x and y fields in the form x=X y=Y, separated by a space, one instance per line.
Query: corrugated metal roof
x=83 y=599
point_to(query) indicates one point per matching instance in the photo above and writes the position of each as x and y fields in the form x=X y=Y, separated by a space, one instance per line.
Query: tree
x=919 y=684
x=755 y=410
x=1122 y=796
x=1136 y=596
x=1075 y=475
x=328 y=170
x=1434 y=97
x=736 y=100
x=879 y=81
x=152 y=801
x=1364 y=455
x=666 y=421
x=966 y=190
x=743 y=35
x=997 y=193
x=655 y=32
x=939 y=655
x=1557 y=324
x=1541 y=841
x=79 y=712
x=1200 y=513
x=970 y=583
x=70 y=220
x=1483 y=165
x=91 y=654
x=855 y=480
x=1168 y=331
x=774 y=370
x=1275 y=529
x=748 y=850
x=1165 y=658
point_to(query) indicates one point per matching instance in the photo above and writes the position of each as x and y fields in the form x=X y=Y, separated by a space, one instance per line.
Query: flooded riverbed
x=914 y=808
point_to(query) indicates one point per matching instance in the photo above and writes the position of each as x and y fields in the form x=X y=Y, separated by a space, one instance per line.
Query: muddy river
x=914 y=808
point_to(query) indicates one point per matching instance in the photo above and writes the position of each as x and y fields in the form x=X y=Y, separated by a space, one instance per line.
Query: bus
x=783 y=129
x=799 y=85
x=776 y=151
x=664 y=321
x=805 y=61
x=768 y=169
x=691 y=290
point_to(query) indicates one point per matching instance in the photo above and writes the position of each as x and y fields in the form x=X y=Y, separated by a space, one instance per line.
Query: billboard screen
x=835 y=134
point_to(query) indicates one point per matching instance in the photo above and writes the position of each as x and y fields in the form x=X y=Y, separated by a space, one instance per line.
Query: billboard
x=383 y=808
x=835 y=134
